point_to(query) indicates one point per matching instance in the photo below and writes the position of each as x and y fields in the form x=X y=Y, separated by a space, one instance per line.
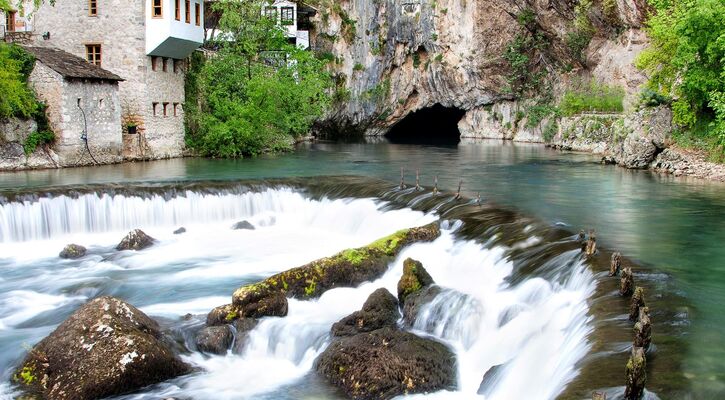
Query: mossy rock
x=72 y=252
x=214 y=339
x=136 y=240
x=414 y=278
x=107 y=347
x=348 y=268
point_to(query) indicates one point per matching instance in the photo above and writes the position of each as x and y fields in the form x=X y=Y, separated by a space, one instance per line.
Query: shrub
x=16 y=98
x=651 y=98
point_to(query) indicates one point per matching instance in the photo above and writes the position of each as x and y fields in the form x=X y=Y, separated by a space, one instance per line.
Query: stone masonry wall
x=119 y=28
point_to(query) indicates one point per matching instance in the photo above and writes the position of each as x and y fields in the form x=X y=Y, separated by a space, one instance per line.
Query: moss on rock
x=414 y=278
x=345 y=269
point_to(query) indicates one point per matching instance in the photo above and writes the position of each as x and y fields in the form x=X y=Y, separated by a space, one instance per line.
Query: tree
x=257 y=92
x=686 y=60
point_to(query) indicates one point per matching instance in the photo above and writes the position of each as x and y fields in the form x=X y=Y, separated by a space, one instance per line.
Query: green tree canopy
x=256 y=91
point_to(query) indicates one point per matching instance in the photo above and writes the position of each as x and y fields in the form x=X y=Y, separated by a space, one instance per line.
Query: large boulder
x=135 y=240
x=380 y=310
x=414 y=278
x=386 y=363
x=370 y=363
x=107 y=347
x=348 y=268
x=215 y=339
x=72 y=252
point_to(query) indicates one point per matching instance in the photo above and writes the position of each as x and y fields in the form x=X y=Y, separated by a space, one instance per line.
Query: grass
x=700 y=138
x=592 y=97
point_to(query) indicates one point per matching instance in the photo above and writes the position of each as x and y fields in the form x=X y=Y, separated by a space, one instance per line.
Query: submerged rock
x=243 y=225
x=415 y=301
x=72 y=252
x=636 y=302
x=490 y=379
x=346 y=269
x=414 y=278
x=136 y=240
x=380 y=310
x=643 y=330
x=106 y=347
x=180 y=231
x=214 y=339
x=636 y=375
x=615 y=263
x=242 y=327
x=626 y=282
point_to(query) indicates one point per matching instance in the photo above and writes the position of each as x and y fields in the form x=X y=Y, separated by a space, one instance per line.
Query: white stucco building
x=294 y=17
x=144 y=42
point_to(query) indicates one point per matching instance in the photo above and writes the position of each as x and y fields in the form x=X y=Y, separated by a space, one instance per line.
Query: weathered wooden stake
x=458 y=193
x=417 y=180
x=599 y=396
x=626 y=282
x=643 y=329
x=615 y=263
x=478 y=199
x=435 y=185
x=636 y=302
x=591 y=246
x=402 y=178
x=636 y=375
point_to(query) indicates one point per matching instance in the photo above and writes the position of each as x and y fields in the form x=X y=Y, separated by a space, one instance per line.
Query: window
x=153 y=63
x=271 y=13
x=176 y=109
x=197 y=14
x=288 y=15
x=157 y=8
x=10 y=21
x=92 y=8
x=155 y=107
x=166 y=107
x=163 y=64
x=187 y=3
x=93 y=53
x=177 y=10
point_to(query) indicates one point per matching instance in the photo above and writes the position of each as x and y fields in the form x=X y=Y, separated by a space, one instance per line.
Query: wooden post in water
x=636 y=375
x=615 y=263
x=591 y=246
x=458 y=193
x=435 y=185
x=417 y=180
x=643 y=330
x=478 y=199
x=636 y=302
x=626 y=282
x=402 y=178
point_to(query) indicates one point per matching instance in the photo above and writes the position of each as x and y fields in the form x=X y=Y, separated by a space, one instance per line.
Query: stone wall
x=120 y=30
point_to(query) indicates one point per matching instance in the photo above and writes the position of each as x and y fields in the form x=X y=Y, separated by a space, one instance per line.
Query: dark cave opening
x=436 y=125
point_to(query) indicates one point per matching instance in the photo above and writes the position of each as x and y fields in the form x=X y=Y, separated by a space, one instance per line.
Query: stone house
x=295 y=17
x=144 y=42
x=83 y=111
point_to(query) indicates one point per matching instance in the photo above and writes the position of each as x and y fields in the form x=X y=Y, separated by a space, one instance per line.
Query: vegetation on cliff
x=686 y=65
x=256 y=92
x=17 y=98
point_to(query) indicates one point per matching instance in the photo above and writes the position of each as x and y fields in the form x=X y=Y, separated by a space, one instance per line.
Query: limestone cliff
x=393 y=57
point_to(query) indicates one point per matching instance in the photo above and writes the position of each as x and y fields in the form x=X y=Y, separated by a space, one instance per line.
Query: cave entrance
x=436 y=125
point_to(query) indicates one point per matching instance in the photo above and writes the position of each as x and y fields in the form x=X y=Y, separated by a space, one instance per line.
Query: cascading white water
x=537 y=328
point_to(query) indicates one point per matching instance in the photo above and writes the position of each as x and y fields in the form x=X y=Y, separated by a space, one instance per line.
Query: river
x=672 y=228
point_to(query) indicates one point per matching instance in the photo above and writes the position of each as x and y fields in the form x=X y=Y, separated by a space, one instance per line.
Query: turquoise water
x=672 y=225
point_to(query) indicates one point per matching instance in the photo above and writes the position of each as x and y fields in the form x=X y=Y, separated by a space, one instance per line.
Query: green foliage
x=416 y=60
x=434 y=36
x=358 y=67
x=550 y=130
x=16 y=97
x=378 y=92
x=578 y=39
x=686 y=61
x=438 y=58
x=523 y=75
x=651 y=98
x=257 y=93
x=592 y=97
x=526 y=17
x=538 y=112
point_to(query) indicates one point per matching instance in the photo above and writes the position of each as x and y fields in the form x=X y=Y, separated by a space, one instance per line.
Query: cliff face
x=393 y=57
